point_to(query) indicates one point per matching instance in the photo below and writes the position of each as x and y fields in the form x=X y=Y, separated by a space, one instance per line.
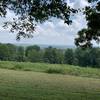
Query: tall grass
x=52 y=68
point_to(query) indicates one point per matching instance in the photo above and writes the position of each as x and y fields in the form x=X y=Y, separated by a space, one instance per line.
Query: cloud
x=80 y=3
x=51 y=32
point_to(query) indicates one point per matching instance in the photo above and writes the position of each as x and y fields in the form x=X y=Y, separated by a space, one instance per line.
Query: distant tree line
x=78 y=56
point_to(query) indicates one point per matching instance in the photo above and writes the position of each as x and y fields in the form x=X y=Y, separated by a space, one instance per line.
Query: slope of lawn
x=22 y=85
x=52 y=68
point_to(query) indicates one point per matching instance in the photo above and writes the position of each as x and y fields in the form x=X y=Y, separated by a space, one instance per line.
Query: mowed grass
x=52 y=68
x=22 y=85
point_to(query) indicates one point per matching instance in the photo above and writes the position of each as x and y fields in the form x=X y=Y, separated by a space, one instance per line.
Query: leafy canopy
x=31 y=11
x=92 y=32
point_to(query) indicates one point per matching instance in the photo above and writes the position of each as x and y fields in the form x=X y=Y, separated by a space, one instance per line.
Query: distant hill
x=42 y=46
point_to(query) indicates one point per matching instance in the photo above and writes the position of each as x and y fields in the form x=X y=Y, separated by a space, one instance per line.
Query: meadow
x=40 y=81
x=52 y=68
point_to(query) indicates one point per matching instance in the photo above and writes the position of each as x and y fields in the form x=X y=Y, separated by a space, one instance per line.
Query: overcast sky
x=52 y=33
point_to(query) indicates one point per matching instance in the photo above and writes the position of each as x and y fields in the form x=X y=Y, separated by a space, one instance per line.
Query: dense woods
x=78 y=56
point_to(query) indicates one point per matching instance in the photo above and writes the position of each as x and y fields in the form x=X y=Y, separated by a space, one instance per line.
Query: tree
x=29 y=11
x=83 y=56
x=52 y=55
x=38 y=11
x=34 y=53
x=4 y=52
x=88 y=57
x=34 y=56
x=12 y=51
x=30 y=48
x=20 y=54
x=60 y=56
x=69 y=56
x=95 y=57
x=92 y=32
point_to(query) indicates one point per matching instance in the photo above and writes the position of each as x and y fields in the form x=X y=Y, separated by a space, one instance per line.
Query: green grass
x=40 y=81
x=52 y=68
x=22 y=85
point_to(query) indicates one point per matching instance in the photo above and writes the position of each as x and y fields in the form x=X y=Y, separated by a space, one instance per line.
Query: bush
x=27 y=69
x=55 y=70
x=18 y=66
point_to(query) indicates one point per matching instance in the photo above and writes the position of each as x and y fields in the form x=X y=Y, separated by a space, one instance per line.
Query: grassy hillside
x=51 y=68
x=22 y=85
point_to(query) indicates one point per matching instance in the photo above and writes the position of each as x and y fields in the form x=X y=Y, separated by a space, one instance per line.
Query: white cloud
x=51 y=32
x=80 y=3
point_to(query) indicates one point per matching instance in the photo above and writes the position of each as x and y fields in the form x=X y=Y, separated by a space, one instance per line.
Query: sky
x=52 y=32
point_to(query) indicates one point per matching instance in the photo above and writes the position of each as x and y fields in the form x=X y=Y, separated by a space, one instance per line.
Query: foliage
x=88 y=57
x=34 y=56
x=81 y=57
x=4 y=52
x=92 y=32
x=30 y=48
x=52 y=55
x=20 y=55
x=69 y=56
x=55 y=70
x=31 y=12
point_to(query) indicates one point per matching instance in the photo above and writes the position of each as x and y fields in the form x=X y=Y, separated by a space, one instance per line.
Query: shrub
x=55 y=70
x=27 y=69
x=17 y=66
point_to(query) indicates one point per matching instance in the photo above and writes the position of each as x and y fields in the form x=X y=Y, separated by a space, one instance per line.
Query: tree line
x=77 y=56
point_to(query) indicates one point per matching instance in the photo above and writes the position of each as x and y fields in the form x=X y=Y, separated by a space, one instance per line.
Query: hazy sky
x=52 y=33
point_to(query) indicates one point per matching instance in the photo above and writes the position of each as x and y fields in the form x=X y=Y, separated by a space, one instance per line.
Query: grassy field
x=31 y=83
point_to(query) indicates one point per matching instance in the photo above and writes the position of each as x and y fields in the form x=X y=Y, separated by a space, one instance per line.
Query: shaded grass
x=22 y=85
x=52 y=68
